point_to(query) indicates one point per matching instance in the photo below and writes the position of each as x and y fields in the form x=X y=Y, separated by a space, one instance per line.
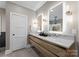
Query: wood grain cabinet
x=48 y=49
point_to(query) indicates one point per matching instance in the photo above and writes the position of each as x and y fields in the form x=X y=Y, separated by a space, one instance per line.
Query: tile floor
x=29 y=52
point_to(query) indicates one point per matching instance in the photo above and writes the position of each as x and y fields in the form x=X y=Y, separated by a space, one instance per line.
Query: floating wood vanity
x=49 y=49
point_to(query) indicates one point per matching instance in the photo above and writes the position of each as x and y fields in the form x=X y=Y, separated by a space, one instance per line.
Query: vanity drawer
x=43 y=51
x=52 y=48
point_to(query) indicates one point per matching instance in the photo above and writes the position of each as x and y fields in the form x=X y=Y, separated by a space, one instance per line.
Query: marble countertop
x=61 y=41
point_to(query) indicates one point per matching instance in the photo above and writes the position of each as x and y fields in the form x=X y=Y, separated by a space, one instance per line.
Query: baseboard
x=28 y=46
x=8 y=52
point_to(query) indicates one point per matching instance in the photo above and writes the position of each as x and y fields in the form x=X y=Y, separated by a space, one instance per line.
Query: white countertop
x=61 y=41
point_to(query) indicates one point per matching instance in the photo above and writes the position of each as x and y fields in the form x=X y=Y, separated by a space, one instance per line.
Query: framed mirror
x=56 y=18
x=39 y=18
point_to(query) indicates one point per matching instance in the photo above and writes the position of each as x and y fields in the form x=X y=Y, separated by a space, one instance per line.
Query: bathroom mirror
x=56 y=18
x=39 y=18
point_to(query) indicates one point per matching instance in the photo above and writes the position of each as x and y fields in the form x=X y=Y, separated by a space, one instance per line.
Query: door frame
x=11 y=25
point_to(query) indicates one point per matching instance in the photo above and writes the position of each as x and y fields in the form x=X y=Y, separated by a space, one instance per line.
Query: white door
x=18 y=31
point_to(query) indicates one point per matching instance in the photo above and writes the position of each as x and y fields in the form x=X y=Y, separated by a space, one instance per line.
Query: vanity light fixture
x=34 y=24
x=68 y=10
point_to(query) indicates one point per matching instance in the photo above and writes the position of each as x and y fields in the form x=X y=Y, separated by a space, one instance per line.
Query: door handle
x=13 y=34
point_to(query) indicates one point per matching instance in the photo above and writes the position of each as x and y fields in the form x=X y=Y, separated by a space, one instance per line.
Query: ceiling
x=33 y=5
x=2 y=4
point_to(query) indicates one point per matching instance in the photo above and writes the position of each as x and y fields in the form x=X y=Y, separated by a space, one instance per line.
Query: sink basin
x=43 y=34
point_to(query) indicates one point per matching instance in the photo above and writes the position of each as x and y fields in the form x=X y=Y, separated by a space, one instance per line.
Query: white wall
x=74 y=6
x=2 y=14
x=67 y=19
x=77 y=22
x=3 y=24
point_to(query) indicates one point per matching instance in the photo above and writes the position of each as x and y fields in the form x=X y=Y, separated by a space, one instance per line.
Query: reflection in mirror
x=39 y=18
x=55 y=18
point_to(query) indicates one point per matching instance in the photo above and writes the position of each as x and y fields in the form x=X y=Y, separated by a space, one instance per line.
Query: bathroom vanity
x=52 y=46
x=56 y=22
